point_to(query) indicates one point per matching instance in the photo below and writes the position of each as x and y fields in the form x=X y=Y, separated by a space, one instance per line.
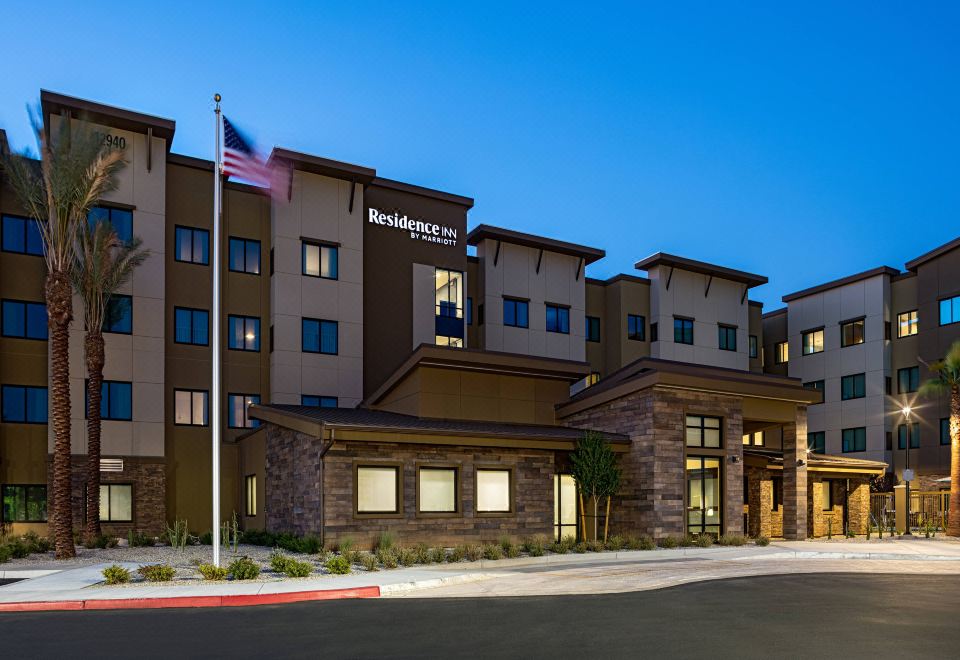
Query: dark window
x=815 y=385
x=116 y=502
x=515 y=313
x=888 y=440
x=120 y=219
x=193 y=245
x=812 y=341
x=727 y=338
x=237 y=405
x=950 y=310
x=190 y=326
x=854 y=439
x=908 y=430
x=243 y=333
x=479 y=313
x=271 y=338
x=244 y=255
x=703 y=431
x=320 y=260
x=654 y=334
x=908 y=380
x=116 y=400
x=469 y=310
x=319 y=336
x=318 y=401
x=592 y=328
x=817 y=441
x=781 y=353
x=24 y=404
x=558 y=319
x=754 y=353
x=888 y=385
x=851 y=333
x=26 y=320
x=777 y=493
x=24 y=503
x=21 y=235
x=945 y=431
x=683 y=331
x=636 y=327
x=118 y=317
x=853 y=387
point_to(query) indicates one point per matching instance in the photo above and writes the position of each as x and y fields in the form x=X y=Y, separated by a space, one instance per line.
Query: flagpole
x=215 y=398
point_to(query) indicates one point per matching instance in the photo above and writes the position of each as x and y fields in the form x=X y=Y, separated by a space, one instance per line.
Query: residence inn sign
x=419 y=230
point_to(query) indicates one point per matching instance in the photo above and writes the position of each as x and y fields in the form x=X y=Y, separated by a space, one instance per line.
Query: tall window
x=558 y=319
x=319 y=336
x=237 y=408
x=493 y=491
x=118 y=317
x=564 y=506
x=244 y=255
x=907 y=324
x=24 y=503
x=945 y=431
x=908 y=432
x=243 y=333
x=469 y=310
x=190 y=407
x=515 y=313
x=851 y=333
x=192 y=245
x=592 y=329
x=21 y=235
x=378 y=489
x=683 y=331
x=703 y=495
x=782 y=353
x=23 y=404
x=654 y=333
x=728 y=338
x=908 y=380
x=190 y=326
x=854 y=439
x=950 y=310
x=448 y=312
x=120 y=219
x=777 y=493
x=703 y=431
x=812 y=341
x=320 y=260
x=436 y=490
x=26 y=320
x=853 y=387
x=313 y=401
x=116 y=502
x=116 y=400
x=250 y=492
x=817 y=441
x=826 y=495
x=635 y=327
x=753 y=347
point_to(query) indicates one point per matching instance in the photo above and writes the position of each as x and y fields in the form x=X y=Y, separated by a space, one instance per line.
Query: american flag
x=240 y=159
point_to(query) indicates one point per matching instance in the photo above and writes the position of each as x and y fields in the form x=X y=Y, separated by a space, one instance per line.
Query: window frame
x=913 y=379
x=703 y=429
x=729 y=331
x=781 y=356
x=106 y=314
x=26 y=234
x=512 y=511
x=111 y=209
x=826 y=488
x=245 y=241
x=26 y=304
x=26 y=389
x=908 y=432
x=561 y=316
x=813 y=332
x=843 y=440
x=46 y=498
x=639 y=321
x=680 y=326
x=106 y=395
x=862 y=379
x=320 y=399
x=753 y=350
x=193 y=311
x=306 y=243
x=953 y=303
x=813 y=446
x=176 y=246
x=912 y=323
x=590 y=324
x=247 y=422
x=861 y=321
x=397 y=467
x=206 y=404
x=230 y=334
x=776 y=502
x=516 y=302
x=457 y=490
x=320 y=323
x=945 y=432
x=133 y=502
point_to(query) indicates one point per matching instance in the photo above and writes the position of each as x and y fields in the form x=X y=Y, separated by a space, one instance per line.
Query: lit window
x=756 y=438
x=911 y=431
x=816 y=441
x=448 y=298
x=115 y=400
x=812 y=341
x=237 y=411
x=728 y=338
x=118 y=317
x=826 y=495
x=23 y=404
x=782 y=354
x=558 y=319
x=907 y=324
x=753 y=346
x=592 y=329
x=851 y=333
x=318 y=401
x=25 y=320
x=377 y=489
x=515 y=313
x=437 y=490
x=319 y=336
x=493 y=491
x=703 y=431
x=192 y=245
x=190 y=326
x=683 y=331
x=21 y=235
x=250 y=492
x=24 y=503
x=120 y=219
x=320 y=260
x=854 y=439
x=853 y=387
x=636 y=326
x=244 y=256
x=190 y=407
x=908 y=380
x=950 y=310
x=116 y=502
x=243 y=333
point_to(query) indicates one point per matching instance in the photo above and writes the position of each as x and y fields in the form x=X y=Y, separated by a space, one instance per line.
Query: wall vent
x=111 y=465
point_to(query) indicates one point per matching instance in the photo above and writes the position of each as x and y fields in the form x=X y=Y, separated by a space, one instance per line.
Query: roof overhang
x=483 y=232
x=409 y=188
x=52 y=103
x=821 y=463
x=913 y=264
x=850 y=279
x=701 y=267
x=322 y=166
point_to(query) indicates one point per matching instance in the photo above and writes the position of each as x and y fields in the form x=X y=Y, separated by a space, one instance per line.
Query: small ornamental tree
x=597 y=474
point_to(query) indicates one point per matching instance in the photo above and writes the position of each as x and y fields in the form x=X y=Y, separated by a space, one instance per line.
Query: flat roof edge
x=335 y=169
x=121 y=118
x=401 y=186
x=843 y=281
x=949 y=246
x=484 y=231
x=701 y=267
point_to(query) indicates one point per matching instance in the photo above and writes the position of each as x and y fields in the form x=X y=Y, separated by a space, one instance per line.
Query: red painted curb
x=246 y=600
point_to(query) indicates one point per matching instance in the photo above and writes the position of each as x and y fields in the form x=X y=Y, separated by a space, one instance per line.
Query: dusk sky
x=804 y=143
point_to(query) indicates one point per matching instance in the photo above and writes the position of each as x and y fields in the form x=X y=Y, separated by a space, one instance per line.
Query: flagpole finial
x=216 y=97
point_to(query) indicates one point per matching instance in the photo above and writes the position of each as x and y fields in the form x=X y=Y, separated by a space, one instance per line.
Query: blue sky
x=804 y=144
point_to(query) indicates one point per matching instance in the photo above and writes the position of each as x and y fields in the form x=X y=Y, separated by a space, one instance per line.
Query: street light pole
x=908 y=475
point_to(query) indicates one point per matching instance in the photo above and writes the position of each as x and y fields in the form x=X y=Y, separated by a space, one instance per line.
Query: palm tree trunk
x=953 y=522
x=59 y=297
x=93 y=350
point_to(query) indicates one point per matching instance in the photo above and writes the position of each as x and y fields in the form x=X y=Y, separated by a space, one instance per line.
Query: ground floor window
x=564 y=506
x=493 y=491
x=377 y=489
x=250 y=491
x=437 y=490
x=777 y=494
x=703 y=495
x=25 y=503
x=116 y=503
x=826 y=494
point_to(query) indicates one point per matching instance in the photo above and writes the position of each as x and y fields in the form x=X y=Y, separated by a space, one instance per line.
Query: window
x=636 y=326
x=115 y=400
x=812 y=341
x=782 y=353
x=479 y=313
x=378 y=489
x=192 y=245
x=21 y=235
x=190 y=326
x=908 y=380
x=469 y=310
x=945 y=431
x=558 y=319
x=244 y=256
x=728 y=338
x=851 y=333
x=565 y=516
x=817 y=441
x=237 y=408
x=116 y=502
x=777 y=493
x=24 y=503
x=755 y=438
x=26 y=320
x=683 y=331
x=950 y=310
x=319 y=336
x=911 y=431
x=703 y=474
x=243 y=333
x=853 y=387
x=118 y=317
x=493 y=491
x=515 y=313
x=250 y=494
x=319 y=260
x=448 y=322
x=190 y=407
x=815 y=385
x=318 y=401
x=703 y=431
x=654 y=332
x=120 y=219
x=907 y=324
x=22 y=404
x=854 y=439
x=436 y=490
x=752 y=339
x=592 y=329
x=826 y=495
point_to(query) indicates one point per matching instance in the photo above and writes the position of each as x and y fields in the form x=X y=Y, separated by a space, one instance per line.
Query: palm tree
x=948 y=381
x=102 y=264
x=74 y=171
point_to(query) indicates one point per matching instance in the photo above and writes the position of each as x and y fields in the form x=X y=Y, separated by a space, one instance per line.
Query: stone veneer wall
x=763 y=519
x=858 y=500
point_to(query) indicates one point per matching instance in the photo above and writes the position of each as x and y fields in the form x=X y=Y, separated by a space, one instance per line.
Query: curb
x=417 y=585
x=243 y=600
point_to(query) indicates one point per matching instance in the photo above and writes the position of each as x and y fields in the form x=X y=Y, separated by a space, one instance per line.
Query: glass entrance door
x=703 y=495
x=564 y=506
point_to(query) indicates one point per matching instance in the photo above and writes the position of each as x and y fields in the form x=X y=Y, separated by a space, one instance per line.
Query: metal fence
x=927 y=509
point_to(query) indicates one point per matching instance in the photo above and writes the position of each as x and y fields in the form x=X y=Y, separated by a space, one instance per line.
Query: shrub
x=406 y=556
x=244 y=569
x=116 y=574
x=510 y=549
x=438 y=555
x=559 y=548
x=762 y=541
x=579 y=548
x=211 y=572
x=138 y=539
x=492 y=552
x=252 y=537
x=338 y=565
x=18 y=548
x=178 y=534
x=595 y=546
x=421 y=553
x=731 y=539
x=703 y=540
x=353 y=556
x=297 y=568
x=279 y=561
x=385 y=541
x=388 y=557
x=5 y=553
x=205 y=539
x=669 y=542
x=369 y=562
x=647 y=543
x=307 y=545
x=40 y=544
x=688 y=541
x=457 y=553
x=535 y=547
x=345 y=545
x=157 y=572
x=474 y=552
x=616 y=543
x=101 y=542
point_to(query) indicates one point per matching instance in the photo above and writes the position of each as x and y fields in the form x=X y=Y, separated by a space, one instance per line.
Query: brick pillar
x=858 y=501
x=733 y=465
x=795 y=477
